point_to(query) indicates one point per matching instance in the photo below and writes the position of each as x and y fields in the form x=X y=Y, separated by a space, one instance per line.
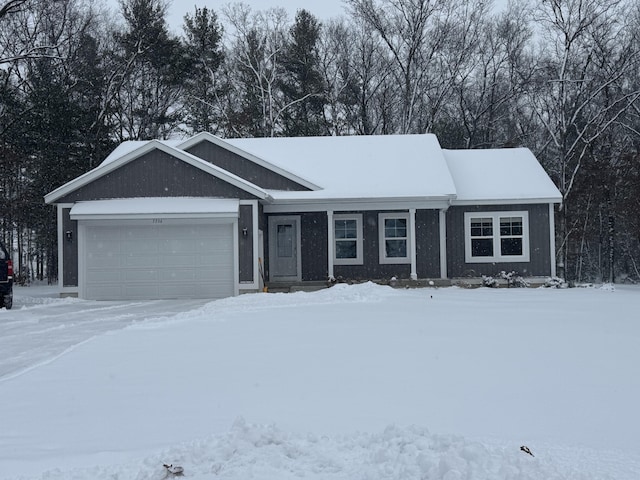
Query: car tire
x=8 y=302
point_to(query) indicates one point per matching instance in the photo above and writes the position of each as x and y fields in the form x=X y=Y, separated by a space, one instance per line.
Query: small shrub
x=512 y=279
x=555 y=282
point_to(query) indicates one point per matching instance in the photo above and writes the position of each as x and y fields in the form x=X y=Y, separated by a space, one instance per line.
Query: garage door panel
x=142 y=292
x=140 y=246
x=177 y=261
x=158 y=261
x=101 y=261
x=140 y=275
x=102 y=276
x=103 y=291
x=140 y=261
x=179 y=244
x=104 y=247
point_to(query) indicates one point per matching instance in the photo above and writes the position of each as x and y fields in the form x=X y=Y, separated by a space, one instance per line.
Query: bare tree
x=582 y=88
x=489 y=110
x=256 y=104
x=429 y=41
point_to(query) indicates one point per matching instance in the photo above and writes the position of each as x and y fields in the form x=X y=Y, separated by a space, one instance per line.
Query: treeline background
x=561 y=77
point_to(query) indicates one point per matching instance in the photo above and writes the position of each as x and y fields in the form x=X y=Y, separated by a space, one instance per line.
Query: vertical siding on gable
x=242 y=167
x=69 y=250
x=245 y=247
x=539 y=264
x=156 y=174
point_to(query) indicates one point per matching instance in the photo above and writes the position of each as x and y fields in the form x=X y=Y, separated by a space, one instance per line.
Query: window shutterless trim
x=495 y=237
x=383 y=259
x=358 y=260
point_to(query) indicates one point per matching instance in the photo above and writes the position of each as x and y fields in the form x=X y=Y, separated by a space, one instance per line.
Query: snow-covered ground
x=353 y=382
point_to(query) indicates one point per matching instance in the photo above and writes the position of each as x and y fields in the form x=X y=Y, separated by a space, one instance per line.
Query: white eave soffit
x=320 y=205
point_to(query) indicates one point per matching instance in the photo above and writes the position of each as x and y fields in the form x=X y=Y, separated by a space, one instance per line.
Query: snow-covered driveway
x=41 y=326
x=353 y=382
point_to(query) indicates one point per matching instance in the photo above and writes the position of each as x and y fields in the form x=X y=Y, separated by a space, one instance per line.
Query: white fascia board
x=147 y=216
x=506 y=201
x=344 y=205
x=100 y=171
x=206 y=136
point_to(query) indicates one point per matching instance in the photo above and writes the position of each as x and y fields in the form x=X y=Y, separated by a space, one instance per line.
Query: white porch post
x=412 y=243
x=330 y=244
x=443 y=244
x=552 y=239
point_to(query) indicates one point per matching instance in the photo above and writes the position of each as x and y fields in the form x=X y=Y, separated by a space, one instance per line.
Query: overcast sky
x=323 y=9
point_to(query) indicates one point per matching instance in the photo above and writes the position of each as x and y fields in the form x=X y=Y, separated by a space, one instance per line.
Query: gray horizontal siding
x=539 y=264
x=156 y=174
x=240 y=166
x=315 y=249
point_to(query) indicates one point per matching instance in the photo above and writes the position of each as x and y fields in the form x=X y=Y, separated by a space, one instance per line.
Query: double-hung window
x=394 y=237
x=496 y=237
x=347 y=234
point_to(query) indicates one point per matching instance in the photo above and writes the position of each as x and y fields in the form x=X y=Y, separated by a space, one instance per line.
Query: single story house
x=209 y=218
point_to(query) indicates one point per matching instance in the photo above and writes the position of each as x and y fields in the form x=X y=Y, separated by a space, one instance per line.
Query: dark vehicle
x=6 y=278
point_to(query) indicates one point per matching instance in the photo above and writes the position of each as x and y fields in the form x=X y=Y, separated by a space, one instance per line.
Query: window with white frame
x=496 y=237
x=394 y=237
x=347 y=235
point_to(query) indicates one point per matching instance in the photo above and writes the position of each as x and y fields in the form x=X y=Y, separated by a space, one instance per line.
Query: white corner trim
x=412 y=243
x=552 y=239
x=236 y=259
x=443 y=243
x=330 y=244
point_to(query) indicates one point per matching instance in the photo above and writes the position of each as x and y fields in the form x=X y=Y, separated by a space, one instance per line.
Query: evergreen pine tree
x=303 y=86
x=204 y=51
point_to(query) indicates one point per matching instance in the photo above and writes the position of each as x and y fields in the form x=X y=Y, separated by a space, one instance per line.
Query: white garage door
x=158 y=261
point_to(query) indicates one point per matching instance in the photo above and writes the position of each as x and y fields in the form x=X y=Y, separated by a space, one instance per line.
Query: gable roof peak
x=252 y=157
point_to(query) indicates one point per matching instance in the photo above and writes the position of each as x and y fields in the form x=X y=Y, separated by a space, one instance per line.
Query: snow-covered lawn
x=353 y=382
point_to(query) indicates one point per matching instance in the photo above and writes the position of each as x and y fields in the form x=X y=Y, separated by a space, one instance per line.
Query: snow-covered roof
x=129 y=146
x=228 y=145
x=499 y=175
x=153 y=206
x=354 y=167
